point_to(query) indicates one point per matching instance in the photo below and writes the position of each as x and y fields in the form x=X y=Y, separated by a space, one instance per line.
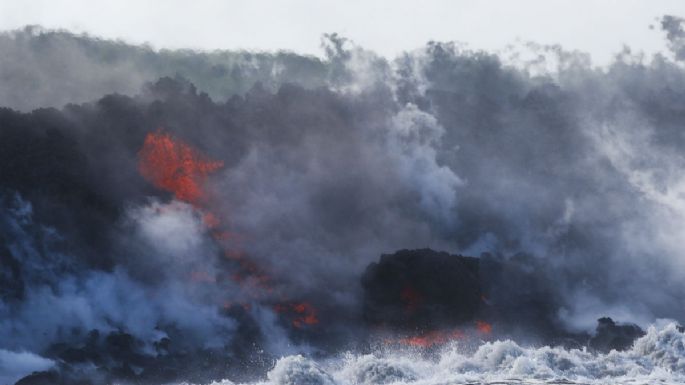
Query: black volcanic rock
x=522 y=298
x=421 y=289
x=55 y=377
x=40 y=378
x=614 y=336
x=427 y=290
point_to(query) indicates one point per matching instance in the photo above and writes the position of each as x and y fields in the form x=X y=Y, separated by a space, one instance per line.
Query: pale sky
x=599 y=27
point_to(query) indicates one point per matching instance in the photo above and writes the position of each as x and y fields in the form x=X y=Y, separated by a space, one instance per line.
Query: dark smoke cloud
x=568 y=172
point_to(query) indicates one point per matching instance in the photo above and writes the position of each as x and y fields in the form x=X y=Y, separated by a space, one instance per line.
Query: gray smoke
x=45 y=68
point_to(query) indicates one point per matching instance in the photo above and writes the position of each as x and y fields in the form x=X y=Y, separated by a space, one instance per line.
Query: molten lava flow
x=174 y=166
x=306 y=315
x=302 y=312
x=434 y=338
x=431 y=338
x=483 y=327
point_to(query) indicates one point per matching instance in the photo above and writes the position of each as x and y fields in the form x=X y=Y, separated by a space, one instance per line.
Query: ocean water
x=656 y=358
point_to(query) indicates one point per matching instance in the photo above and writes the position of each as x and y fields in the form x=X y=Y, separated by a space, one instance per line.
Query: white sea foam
x=658 y=357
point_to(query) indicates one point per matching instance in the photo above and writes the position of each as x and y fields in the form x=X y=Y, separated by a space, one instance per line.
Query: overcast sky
x=599 y=27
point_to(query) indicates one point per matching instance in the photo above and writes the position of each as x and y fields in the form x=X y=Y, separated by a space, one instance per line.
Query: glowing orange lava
x=174 y=166
x=432 y=338
x=302 y=312
x=483 y=327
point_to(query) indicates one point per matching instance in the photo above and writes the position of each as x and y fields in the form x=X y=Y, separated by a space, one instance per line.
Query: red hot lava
x=483 y=327
x=302 y=313
x=432 y=338
x=174 y=166
x=435 y=338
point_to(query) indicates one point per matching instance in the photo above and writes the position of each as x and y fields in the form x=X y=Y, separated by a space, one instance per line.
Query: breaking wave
x=658 y=357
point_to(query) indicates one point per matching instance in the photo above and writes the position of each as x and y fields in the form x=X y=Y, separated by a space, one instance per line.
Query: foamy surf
x=658 y=357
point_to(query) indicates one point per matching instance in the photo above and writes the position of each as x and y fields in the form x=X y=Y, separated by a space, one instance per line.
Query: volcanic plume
x=251 y=216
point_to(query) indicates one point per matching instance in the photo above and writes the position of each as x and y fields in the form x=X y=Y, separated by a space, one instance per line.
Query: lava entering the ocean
x=431 y=338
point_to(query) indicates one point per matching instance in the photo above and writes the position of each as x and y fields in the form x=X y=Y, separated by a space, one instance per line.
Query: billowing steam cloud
x=223 y=215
